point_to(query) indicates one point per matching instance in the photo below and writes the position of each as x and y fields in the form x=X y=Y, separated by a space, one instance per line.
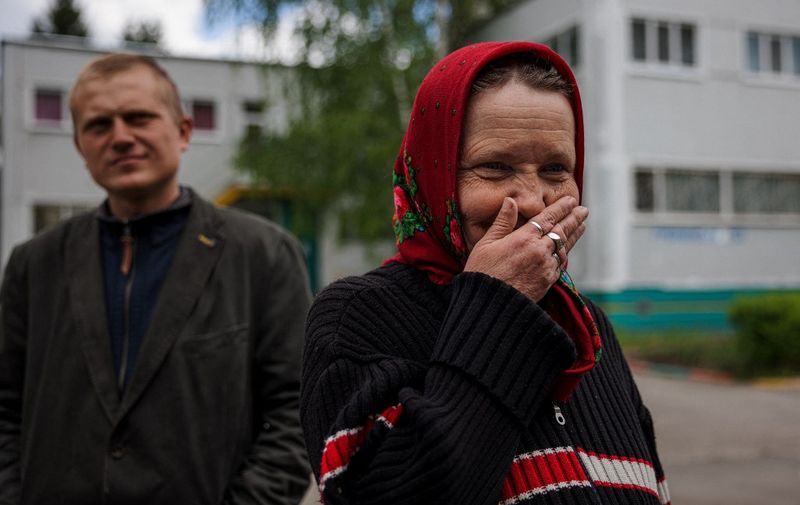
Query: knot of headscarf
x=427 y=221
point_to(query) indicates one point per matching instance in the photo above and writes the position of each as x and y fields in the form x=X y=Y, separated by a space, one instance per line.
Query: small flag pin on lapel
x=206 y=241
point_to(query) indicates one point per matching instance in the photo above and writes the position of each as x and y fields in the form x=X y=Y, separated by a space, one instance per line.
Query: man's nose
x=121 y=136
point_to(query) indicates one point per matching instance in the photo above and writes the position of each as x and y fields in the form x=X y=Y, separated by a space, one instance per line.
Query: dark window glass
x=766 y=193
x=574 y=46
x=687 y=44
x=663 y=42
x=48 y=105
x=775 y=53
x=253 y=106
x=753 y=54
x=552 y=43
x=692 y=191
x=644 y=192
x=203 y=115
x=796 y=54
x=639 y=45
x=45 y=216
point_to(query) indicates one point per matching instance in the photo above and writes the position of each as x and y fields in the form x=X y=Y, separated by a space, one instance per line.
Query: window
x=766 y=193
x=639 y=40
x=253 y=111
x=567 y=44
x=48 y=106
x=203 y=114
x=687 y=44
x=663 y=42
x=775 y=54
x=685 y=192
x=45 y=216
x=770 y=53
x=692 y=191
x=796 y=55
x=644 y=191
x=753 y=53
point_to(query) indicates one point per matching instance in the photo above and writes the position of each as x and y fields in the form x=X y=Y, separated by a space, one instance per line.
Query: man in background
x=150 y=350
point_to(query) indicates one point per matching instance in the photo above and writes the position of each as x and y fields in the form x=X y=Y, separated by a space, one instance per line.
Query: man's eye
x=96 y=126
x=138 y=119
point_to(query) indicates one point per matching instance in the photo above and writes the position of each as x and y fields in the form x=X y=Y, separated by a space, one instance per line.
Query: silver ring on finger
x=556 y=238
x=558 y=260
x=538 y=227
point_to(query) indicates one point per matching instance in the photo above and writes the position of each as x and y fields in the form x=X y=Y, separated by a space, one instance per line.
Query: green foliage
x=145 y=32
x=361 y=63
x=768 y=333
x=685 y=349
x=63 y=18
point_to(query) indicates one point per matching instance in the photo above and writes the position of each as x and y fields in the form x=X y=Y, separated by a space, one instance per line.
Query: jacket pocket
x=216 y=341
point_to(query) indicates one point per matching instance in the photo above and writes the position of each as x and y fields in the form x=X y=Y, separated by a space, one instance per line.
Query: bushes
x=767 y=334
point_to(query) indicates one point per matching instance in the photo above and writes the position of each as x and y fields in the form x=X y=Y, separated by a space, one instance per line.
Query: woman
x=467 y=369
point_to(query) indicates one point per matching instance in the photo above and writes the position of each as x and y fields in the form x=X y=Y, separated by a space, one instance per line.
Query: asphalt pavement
x=727 y=444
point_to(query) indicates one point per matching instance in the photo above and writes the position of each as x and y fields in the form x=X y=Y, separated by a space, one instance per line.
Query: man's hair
x=529 y=70
x=108 y=66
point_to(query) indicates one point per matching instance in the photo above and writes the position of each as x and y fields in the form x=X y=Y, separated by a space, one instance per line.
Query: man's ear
x=75 y=140
x=185 y=128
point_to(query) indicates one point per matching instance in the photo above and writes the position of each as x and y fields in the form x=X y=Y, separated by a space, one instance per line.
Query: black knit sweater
x=415 y=393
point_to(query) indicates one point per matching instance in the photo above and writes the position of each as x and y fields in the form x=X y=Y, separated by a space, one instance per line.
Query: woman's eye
x=494 y=168
x=554 y=168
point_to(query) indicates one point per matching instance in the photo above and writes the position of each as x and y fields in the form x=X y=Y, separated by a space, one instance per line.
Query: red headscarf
x=427 y=219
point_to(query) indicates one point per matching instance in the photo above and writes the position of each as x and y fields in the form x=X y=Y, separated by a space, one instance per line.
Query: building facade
x=692 y=154
x=43 y=179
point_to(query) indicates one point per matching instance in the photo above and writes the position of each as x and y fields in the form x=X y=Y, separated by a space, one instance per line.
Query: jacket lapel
x=85 y=286
x=198 y=251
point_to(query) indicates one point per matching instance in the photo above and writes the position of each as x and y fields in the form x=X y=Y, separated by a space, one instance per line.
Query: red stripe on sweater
x=342 y=445
x=541 y=472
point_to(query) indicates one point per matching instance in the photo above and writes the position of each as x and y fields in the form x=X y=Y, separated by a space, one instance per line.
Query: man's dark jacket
x=210 y=413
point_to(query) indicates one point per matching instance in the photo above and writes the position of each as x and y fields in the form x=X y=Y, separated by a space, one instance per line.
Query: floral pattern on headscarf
x=427 y=221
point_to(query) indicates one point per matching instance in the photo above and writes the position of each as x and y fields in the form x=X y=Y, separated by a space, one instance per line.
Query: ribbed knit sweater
x=416 y=393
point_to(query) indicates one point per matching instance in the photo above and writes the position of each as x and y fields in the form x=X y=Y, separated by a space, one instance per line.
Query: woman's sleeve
x=645 y=419
x=397 y=410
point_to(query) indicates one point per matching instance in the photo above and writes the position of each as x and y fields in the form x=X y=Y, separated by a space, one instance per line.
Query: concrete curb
x=712 y=376
x=681 y=372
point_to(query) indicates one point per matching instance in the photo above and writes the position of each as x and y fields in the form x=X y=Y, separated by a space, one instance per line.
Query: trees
x=360 y=64
x=144 y=32
x=62 y=18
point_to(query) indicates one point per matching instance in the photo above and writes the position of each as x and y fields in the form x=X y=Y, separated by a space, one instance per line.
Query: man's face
x=128 y=136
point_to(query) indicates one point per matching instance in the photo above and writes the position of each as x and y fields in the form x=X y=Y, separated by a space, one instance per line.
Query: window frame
x=788 y=62
x=203 y=135
x=572 y=53
x=33 y=123
x=653 y=64
x=726 y=216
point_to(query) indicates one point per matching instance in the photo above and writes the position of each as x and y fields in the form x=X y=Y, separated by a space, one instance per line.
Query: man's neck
x=126 y=208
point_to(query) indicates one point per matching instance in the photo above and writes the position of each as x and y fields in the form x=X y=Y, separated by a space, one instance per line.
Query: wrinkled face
x=517 y=142
x=127 y=135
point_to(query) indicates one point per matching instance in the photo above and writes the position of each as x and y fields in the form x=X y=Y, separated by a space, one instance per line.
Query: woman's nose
x=529 y=197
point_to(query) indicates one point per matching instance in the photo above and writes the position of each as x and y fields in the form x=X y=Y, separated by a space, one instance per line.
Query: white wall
x=713 y=116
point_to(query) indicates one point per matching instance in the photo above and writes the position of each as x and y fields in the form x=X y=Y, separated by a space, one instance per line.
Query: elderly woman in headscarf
x=467 y=369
